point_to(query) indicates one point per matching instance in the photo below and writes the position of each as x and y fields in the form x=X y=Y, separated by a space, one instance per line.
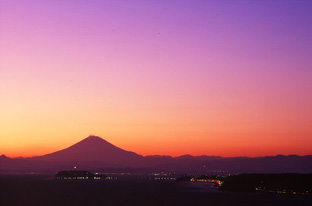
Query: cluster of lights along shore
x=218 y=181
x=78 y=175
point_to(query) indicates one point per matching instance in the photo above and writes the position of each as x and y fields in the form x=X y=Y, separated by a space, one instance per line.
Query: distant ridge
x=96 y=154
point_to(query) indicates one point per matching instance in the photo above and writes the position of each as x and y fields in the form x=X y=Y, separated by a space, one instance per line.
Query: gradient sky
x=226 y=78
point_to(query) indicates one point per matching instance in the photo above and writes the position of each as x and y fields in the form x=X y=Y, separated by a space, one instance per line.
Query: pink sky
x=224 y=78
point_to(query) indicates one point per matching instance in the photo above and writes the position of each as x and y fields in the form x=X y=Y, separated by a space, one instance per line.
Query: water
x=43 y=190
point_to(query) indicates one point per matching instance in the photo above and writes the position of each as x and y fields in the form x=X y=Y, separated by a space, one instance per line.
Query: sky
x=226 y=78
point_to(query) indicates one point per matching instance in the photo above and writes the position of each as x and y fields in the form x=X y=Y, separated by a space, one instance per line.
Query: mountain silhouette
x=96 y=154
x=92 y=149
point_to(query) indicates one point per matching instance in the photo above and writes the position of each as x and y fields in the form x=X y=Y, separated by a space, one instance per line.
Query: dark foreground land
x=44 y=190
x=279 y=183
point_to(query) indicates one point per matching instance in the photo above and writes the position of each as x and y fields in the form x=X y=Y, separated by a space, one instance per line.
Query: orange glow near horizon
x=156 y=129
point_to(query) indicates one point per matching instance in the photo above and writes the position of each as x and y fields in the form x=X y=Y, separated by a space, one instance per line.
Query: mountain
x=3 y=157
x=96 y=154
x=92 y=149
